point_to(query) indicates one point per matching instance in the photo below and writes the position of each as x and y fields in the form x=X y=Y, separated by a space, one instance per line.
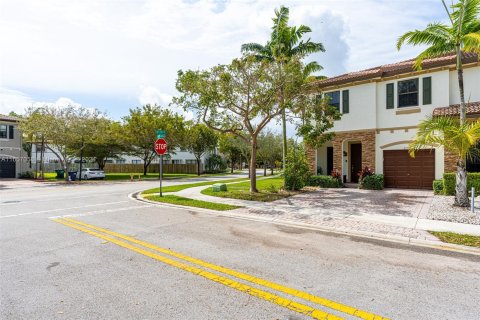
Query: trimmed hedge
x=372 y=182
x=325 y=182
x=438 y=186
x=473 y=180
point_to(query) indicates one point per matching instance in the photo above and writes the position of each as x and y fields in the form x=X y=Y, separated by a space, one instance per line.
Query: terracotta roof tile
x=453 y=110
x=393 y=69
x=8 y=118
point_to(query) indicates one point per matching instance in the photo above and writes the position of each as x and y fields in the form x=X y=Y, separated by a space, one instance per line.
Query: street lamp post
x=81 y=162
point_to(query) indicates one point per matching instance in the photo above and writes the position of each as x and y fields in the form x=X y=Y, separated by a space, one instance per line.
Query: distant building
x=180 y=157
x=13 y=158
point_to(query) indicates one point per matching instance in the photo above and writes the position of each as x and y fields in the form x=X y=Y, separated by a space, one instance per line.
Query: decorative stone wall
x=450 y=162
x=366 y=138
x=311 y=158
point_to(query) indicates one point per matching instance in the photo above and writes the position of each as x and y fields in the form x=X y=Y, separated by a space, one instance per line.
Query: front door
x=7 y=168
x=355 y=161
x=329 y=161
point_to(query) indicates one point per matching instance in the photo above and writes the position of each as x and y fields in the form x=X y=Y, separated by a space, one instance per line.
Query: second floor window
x=334 y=99
x=408 y=93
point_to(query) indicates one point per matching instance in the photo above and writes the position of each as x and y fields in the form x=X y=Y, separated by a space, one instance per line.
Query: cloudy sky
x=119 y=54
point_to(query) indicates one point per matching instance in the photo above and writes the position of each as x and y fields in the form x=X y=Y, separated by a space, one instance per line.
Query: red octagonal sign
x=160 y=146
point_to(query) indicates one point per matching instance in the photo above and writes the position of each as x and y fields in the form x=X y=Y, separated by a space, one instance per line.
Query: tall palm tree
x=284 y=44
x=459 y=139
x=461 y=35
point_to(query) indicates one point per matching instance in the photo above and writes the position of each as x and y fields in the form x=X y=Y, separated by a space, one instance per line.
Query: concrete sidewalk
x=391 y=212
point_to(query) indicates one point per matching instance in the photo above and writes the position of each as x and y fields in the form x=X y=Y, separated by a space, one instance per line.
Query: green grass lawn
x=456 y=238
x=52 y=176
x=190 y=185
x=268 y=190
x=48 y=176
x=172 y=199
x=166 y=176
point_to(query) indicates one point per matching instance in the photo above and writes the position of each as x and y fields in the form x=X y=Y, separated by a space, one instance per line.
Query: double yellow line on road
x=141 y=246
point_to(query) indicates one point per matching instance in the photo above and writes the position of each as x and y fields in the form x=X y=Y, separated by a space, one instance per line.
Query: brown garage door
x=402 y=171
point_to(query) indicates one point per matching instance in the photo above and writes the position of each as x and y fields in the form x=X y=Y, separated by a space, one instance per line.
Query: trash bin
x=72 y=175
x=60 y=174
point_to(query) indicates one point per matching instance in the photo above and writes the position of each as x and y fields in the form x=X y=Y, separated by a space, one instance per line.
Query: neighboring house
x=13 y=159
x=180 y=157
x=381 y=108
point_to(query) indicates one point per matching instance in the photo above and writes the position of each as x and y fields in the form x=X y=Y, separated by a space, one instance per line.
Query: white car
x=89 y=173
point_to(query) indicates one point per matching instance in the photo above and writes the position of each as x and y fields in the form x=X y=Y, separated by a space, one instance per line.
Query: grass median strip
x=298 y=307
x=173 y=199
x=268 y=190
x=181 y=187
x=457 y=238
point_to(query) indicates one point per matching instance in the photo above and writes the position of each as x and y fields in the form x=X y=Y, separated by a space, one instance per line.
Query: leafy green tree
x=461 y=35
x=286 y=42
x=318 y=118
x=297 y=171
x=231 y=146
x=239 y=98
x=139 y=131
x=199 y=140
x=106 y=142
x=460 y=139
x=269 y=150
x=60 y=129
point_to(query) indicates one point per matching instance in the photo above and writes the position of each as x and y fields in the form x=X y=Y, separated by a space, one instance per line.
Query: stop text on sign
x=160 y=146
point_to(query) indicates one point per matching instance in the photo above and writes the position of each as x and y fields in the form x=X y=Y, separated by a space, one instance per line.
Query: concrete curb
x=438 y=245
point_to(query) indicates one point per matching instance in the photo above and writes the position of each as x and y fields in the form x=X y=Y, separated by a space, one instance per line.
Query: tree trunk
x=145 y=167
x=101 y=162
x=462 y=110
x=232 y=159
x=461 y=195
x=42 y=152
x=264 y=169
x=198 y=167
x=252 y=169
x=271 y=168
x=284 y=135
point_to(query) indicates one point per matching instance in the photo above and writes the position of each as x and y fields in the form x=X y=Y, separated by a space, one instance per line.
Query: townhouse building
x=381 y=109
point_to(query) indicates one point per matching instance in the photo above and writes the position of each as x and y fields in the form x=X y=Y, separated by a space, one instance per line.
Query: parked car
x=89 y=173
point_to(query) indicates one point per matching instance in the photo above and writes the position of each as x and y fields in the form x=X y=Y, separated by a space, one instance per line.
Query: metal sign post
x=160 y=149
x=160 y=173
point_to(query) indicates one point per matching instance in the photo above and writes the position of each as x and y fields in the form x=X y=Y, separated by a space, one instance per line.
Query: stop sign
x=160 y=146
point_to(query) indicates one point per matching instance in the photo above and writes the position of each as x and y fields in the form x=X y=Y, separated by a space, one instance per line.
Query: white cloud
x=151 y=95
x=113 y=48
x=18 y=102
x=12 y=100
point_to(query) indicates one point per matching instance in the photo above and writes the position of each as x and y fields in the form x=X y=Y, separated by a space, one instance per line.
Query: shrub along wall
x=438 y=186
x=325 y=182
x=473 y=180
x=372 y=182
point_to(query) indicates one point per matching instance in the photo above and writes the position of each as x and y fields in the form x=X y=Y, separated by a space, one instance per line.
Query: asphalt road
x=53 y=268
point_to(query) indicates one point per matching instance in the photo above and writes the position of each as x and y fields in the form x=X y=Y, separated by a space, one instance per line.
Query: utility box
x=217 y=187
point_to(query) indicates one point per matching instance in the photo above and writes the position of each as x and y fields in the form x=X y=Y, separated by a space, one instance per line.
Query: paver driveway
x=349 y=202
x=391 y=212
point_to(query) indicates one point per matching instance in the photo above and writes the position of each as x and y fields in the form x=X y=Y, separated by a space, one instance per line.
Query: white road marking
x=100 y=211
x=65 y=198
x=61 y=209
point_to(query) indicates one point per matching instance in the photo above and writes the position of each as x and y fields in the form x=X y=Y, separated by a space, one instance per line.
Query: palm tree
x=458 y=138
x=462 y=35
x=284 y=44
